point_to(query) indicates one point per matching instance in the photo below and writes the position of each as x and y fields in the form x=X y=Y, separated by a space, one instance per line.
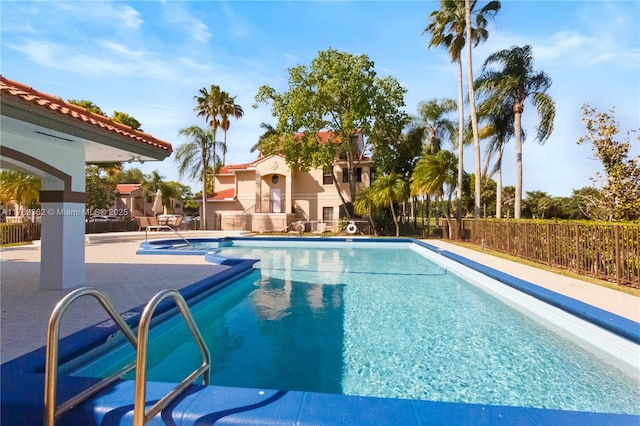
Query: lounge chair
x=153 y=225
x=142 y=222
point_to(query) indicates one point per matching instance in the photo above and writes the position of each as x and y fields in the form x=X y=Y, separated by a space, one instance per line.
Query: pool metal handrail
x=51 y=411
x=158 y=227
x=140 y=344
x=140 y=416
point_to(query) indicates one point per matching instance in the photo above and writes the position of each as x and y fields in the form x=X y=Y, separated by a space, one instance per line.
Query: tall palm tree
x=448 y=28
x=229 y=109
x=514 y=78
x=497 y=114
x=433 y=118
x=434 y=175
x=193 y=160
x=387 y=190
x=478 y=34
x=211 y=104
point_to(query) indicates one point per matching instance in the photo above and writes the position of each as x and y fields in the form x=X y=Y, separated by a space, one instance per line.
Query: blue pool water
x=387 y=322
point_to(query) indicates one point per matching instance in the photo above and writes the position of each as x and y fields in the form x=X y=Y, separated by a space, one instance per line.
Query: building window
x=327 y=176
x=357 y=172
x=274 y=179
x=372 y=175
x=327 y=214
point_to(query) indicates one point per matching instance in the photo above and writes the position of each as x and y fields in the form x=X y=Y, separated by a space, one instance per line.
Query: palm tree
x=432 y=174
x=448 y=29
x=364 y=205
x=211 y=105
x=433 y=118
x=515 y=79
x=193 y=160
x=229 y=109
x=478 y=34
x=390 y=189
x=499 y=129
x=269 y=131
x=21 y=187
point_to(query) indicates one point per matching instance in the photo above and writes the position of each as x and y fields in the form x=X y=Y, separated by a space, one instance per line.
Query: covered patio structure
x=53 y=139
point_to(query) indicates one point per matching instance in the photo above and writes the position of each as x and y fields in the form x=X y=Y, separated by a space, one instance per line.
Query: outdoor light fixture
x=133 y=158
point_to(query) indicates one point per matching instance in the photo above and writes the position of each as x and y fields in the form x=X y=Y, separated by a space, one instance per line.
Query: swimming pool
x=610 y=337
x=392 y=321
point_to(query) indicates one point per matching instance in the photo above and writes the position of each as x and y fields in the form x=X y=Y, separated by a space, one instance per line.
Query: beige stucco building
x=267 y=194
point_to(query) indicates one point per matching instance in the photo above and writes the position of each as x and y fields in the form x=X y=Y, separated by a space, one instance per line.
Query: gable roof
x=127 y=188
x=26 y=94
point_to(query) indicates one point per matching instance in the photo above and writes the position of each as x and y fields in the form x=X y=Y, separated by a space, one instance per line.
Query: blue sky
x=149 y=59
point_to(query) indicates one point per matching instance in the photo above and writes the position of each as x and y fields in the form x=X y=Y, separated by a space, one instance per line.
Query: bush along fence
x=601 y=250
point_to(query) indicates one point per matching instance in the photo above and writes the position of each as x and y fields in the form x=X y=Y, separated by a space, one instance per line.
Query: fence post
x=578 y=254
x=549 y=244
x=616 y=234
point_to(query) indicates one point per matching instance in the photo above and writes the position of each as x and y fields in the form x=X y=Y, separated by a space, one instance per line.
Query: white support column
x=62 y=245
x=288 y=200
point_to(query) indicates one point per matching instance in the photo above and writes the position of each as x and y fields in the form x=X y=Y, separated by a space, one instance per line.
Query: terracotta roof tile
x=225 y=194
x=127 y=188
x=29 y=95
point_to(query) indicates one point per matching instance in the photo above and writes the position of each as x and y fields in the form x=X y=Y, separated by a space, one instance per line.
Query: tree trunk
x=337 y=185
x=203 y=215
x=472 y=107
x=499 y=183
x=460 y=146
x=395 y=219
x=517 y=123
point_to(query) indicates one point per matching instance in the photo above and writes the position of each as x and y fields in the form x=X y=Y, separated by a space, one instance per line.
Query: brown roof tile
x=29 y=95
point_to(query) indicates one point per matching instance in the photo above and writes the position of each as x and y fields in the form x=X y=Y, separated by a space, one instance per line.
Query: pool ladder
x=140 y=415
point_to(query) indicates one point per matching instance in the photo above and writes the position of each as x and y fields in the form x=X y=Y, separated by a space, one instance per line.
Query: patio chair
x=142 y=222
x=153 y=225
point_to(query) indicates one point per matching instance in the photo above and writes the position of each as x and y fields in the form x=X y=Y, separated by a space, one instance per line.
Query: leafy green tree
x=124 y=118
x=621 y=185
x=229 y=109
x=515 y=78
x=193 y=160
x=22 y=187
x=388 y=190
x=509 y=199
x=586 y=203
x=100 y=191
x=132 y=175
x=88 y=105
x=398 y=154
x=339 y=92
x=435 y=175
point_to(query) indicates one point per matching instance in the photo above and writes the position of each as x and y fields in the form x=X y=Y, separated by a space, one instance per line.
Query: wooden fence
x=601 y=250
x=12 y=233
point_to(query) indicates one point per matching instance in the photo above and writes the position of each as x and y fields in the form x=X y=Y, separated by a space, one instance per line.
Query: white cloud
x=180 y=19
x=120 y=49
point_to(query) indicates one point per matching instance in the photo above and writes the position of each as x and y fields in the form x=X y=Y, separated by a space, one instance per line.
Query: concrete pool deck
x=131 y=280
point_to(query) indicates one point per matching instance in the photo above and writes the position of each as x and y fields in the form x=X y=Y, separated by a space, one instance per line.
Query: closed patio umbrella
x=157 y=207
